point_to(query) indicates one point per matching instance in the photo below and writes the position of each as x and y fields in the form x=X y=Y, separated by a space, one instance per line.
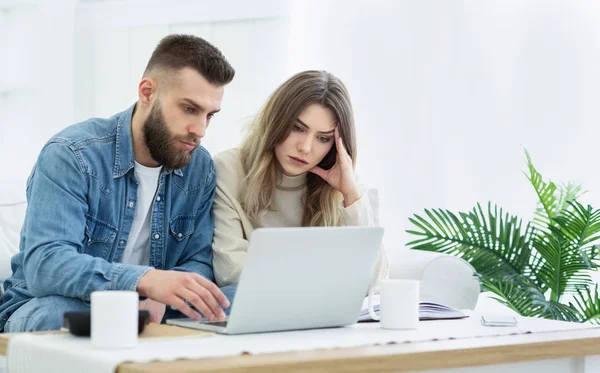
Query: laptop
x=300 y=278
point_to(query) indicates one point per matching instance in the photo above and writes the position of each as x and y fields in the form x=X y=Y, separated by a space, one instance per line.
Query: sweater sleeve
x=229 y=240
x=361 y=213
x=381 y=269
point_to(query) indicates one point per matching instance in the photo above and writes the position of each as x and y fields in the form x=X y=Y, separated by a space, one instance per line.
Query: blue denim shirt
x=81 y=201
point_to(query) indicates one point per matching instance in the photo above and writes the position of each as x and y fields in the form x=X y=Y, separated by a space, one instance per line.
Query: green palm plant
x=539 y=269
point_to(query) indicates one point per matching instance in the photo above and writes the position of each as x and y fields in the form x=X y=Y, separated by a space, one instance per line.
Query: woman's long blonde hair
x=273 y=125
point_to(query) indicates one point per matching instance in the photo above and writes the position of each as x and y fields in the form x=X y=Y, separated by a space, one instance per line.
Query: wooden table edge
x=404 y=357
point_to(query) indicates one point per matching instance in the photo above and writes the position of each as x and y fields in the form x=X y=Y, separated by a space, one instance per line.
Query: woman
x=295 y=168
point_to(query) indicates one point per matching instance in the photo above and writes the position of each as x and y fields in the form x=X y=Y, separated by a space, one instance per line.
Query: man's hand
x=175 y=288
x=157 y=310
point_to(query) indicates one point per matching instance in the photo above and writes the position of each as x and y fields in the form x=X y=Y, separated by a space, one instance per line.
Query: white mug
x=114 y=319
x=399 y=304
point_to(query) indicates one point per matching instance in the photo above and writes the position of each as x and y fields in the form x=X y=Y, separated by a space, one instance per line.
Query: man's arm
x=55 y=231
x=191 y=281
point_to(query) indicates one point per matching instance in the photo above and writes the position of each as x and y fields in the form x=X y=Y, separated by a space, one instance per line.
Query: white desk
x=556 y=352
x=572 y=351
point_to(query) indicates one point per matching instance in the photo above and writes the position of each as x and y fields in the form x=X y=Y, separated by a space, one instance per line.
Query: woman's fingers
x=342 y=153
x=319 y=171
x=338 y=142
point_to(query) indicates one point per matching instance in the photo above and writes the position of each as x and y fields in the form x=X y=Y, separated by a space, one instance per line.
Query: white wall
x=447 y=94
x=36 y=80
x=64 y=61
x=116 y=38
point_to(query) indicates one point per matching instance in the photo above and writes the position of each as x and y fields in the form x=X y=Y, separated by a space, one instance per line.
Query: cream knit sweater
x=233 y=227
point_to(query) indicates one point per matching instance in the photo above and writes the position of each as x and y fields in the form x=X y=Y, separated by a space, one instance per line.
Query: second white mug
x=114 y=319
x=399 y=303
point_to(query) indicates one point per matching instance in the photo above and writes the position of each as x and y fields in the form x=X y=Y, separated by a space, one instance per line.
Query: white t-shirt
x=137 y=250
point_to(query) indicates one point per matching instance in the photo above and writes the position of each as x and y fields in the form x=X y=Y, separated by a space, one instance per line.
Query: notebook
x=427 y=311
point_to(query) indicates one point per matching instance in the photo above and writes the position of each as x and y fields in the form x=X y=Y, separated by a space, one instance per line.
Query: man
x=124 y=203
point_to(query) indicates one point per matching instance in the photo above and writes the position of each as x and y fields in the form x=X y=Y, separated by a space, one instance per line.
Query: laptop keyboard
x=216 y=323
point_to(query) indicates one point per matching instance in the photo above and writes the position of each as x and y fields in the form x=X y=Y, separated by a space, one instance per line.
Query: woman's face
x=309 y=142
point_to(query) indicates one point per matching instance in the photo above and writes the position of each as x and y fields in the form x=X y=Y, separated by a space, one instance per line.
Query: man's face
x=178 y=121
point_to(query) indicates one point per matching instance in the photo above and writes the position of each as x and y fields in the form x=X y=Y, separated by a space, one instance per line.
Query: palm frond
x=551 y=309
x=557 y=311
x=546 y=193
x=552 y=200
x=528 y=267
x=536 y=263
x=567 y=193
x=581 y=226
x=524 y=297
x=562 y=268
x=493 y=243
x=587 y=304
x=511 y=292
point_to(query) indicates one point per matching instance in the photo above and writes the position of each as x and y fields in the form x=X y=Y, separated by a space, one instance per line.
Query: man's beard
x=162 y=144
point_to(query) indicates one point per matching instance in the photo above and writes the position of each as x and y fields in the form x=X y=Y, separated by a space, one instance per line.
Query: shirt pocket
x=99 y=237
x=182 y=226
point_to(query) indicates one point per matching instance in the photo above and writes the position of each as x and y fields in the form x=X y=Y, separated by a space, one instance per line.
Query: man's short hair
x=175 y=52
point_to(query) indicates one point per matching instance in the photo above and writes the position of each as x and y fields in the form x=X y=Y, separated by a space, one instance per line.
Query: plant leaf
x=588 y=304
x=510 y=292
x=546 y=193
x=551 y=309
x=562 y=268
x=491 y=242
x=552 y=200
x=524 y=297
x=567 y=193
x=581 y=226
